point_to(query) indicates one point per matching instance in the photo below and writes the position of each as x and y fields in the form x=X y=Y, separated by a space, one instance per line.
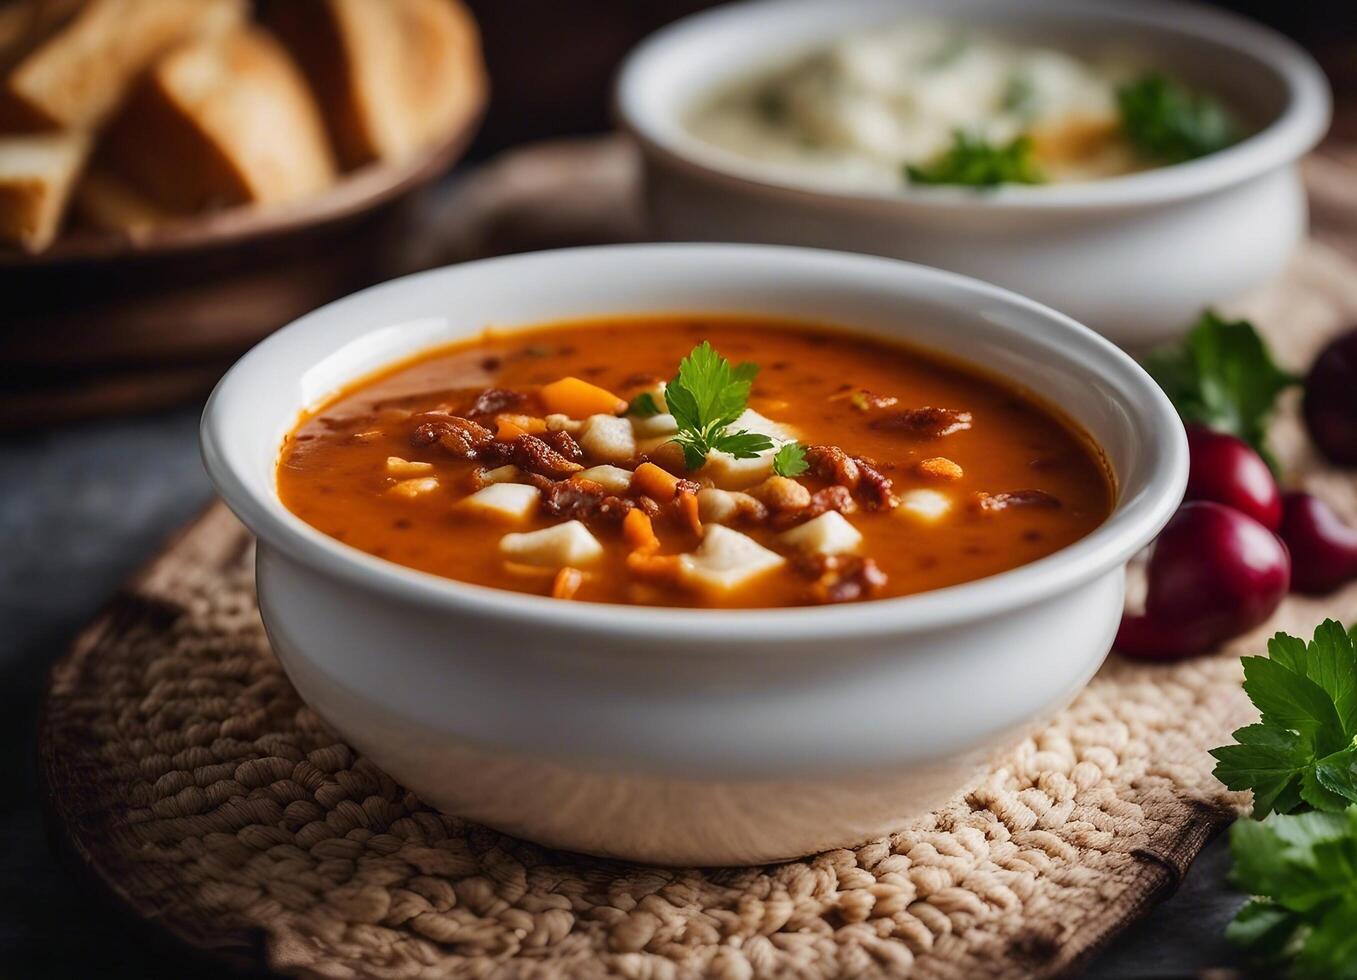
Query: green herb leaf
x=1302 y=871
x=972 y=161
x=705 y=399
x=1223 y=376
x=643 y=406
x=790 y=460
x=1168 y=123
x=1304 y=751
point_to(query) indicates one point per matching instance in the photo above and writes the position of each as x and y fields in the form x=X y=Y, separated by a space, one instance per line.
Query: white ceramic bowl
x=1136 y=257
x=675 y=735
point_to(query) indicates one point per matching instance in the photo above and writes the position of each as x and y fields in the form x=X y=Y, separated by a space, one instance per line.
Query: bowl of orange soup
x=692 y=554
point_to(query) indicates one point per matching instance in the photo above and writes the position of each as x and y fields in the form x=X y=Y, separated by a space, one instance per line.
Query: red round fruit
x=1323 y=548
x=1330 y=404
x=1227 y=470
x=1214 y=573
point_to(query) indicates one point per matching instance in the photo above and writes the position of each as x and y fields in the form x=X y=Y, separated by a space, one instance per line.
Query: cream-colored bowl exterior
x=1135 y=257
x=670 y=735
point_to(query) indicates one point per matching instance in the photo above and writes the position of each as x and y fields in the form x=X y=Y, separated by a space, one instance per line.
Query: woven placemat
x=190 y=779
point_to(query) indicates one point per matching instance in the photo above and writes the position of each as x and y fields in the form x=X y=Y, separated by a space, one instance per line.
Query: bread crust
x=221 y=122
x=394 y=76
x=37 y=174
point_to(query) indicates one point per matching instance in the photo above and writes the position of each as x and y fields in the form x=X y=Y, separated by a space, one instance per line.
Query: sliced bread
x=37 y=173
x=76 y=77
x=218 y=122
x=393 y=76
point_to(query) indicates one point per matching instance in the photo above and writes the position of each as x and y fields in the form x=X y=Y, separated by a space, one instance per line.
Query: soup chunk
x=693 y=461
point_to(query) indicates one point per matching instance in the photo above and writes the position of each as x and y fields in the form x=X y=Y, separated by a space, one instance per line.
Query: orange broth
x=333 y=467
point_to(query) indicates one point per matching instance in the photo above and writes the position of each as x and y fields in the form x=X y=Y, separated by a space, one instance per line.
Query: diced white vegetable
x=502 y=474
x=730 y=473
x=405 y=467
x=415 y=487
x=925 y=505
x=507 y=501
x=656 y=425
x=608 y=437
x=726 y=559
x=752 y=421
x=554 y=547
x=716 y=506
x=556 y=422
x=614 y=479
x=828 y=534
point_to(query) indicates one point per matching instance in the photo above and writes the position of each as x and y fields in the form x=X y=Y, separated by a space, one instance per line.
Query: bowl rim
x=1295 y=131
x=1138 y=515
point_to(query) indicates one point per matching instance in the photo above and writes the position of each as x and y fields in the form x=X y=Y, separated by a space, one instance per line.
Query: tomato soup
x=694 y=461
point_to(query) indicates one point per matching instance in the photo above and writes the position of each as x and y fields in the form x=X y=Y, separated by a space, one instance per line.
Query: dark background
x=81 y=506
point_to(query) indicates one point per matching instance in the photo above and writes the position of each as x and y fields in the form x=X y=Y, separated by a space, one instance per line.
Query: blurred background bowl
x=1136 y=257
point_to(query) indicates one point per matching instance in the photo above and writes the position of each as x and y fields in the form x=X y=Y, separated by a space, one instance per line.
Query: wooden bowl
x=192 y=294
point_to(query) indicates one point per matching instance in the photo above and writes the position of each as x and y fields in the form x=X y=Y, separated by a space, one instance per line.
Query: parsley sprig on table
x=1223 y=376
x=705 y=399
x=1302 y=872
x=973 y=161
x=1169 y=123
x=1300 y=760
x=1303 y=753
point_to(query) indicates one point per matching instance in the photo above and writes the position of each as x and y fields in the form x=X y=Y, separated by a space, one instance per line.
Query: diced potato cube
x=730 y=473
x=556 y=422
x=405 y=467
x=752 y=421
x=656 y=425
x=553 y=547
x=716 y=506
x=608 y=438
x=614 y=479
x=828 y=534
x=415 y=487
x=502 y=474
x=726 y=560
x=506 y=501
x=925 y=505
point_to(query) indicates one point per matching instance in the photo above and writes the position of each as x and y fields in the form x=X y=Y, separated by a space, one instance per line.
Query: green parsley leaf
x=790 y=460
x=1223 y=376
x=643 y=406
x=972 y=161
x=705 y=399
x=1302 y=870
x=1303 y=754
x=1166 y=122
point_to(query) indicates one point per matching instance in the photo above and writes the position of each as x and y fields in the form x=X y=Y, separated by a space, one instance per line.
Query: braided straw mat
x=198 y=788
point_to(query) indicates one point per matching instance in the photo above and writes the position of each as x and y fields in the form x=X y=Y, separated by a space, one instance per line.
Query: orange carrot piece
x=580 y=399
x=506 y=431
x=566 y=583
x=687 y=506
x=640 y=532
x=650 y=480
x=528 y=423
x=656 y=567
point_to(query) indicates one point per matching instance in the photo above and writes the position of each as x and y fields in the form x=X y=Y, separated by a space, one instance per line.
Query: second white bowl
x=1135 y=257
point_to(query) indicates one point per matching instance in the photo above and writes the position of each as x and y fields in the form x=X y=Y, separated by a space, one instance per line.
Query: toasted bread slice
x=37 y=173
x=105 y=201
x=222 y=121
x=26 y=23
x=393 y=76
x=77 y=76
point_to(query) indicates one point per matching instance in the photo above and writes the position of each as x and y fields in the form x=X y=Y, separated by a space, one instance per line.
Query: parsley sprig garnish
x=1171 y=124
x=1223 y=376
x=790 y=460
x=973 y=161
x=643 y=406
x=1303 y=753
x=705 y=399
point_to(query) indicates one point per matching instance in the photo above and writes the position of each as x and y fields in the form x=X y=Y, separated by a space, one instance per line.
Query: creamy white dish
x=931 y=103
